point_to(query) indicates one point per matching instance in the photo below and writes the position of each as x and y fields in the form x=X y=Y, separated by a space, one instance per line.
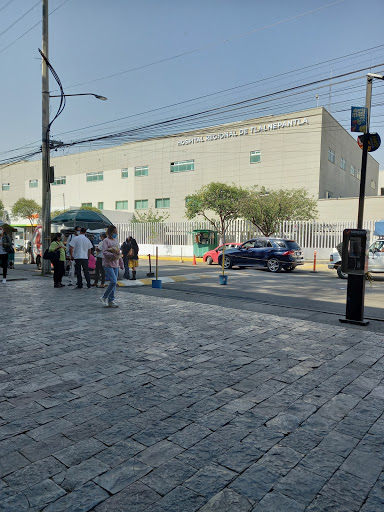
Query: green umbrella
x=83 y=218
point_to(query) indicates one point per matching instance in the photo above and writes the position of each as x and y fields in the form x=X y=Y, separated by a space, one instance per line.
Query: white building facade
x=307 y=149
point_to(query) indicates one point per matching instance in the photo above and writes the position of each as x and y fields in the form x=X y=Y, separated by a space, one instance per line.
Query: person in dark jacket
x=5 y=249
x=133 y=256
x=125 y=248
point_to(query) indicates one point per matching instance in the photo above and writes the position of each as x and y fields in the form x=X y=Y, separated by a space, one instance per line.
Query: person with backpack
x=133 y=256
x=125 y=248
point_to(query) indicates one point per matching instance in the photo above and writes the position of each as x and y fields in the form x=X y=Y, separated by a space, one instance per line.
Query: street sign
x=359 y=118
x=373 y=142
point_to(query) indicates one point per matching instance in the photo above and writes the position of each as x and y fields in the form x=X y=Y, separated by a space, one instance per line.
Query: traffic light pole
x=46 y=185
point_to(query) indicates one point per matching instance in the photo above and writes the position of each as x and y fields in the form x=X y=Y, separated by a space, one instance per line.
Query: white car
x=375 y=259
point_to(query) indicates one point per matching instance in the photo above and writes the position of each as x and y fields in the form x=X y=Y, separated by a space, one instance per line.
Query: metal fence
x=315 y=235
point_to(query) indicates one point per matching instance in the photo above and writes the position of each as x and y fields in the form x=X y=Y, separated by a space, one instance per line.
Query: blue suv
x=272 y=253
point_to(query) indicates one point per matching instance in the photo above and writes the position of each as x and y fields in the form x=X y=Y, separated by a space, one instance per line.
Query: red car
x=212 y=256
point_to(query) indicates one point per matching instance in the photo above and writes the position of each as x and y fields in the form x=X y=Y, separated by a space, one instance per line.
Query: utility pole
x=46 y=185
x=356 y=282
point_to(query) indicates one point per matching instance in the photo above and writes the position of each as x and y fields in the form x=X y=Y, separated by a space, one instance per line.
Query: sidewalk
x=171 y=406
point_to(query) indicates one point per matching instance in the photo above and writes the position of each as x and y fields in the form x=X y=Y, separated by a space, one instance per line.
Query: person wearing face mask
x=5 y=248
x=80 y=250
x=111 y=263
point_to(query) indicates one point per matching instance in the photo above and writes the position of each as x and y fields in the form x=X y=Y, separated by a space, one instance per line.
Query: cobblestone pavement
x=164 y=405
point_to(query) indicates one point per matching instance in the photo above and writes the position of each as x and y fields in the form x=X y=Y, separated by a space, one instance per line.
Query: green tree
x=152 y=218
x=26 y=209
x=92 y=208
x=55 y=213
x=1 y=209
x=149 y=216
x=219 y=204
x=266 y=209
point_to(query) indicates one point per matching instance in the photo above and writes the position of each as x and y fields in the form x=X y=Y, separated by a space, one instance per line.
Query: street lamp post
x=356 y=283
x=47 y=175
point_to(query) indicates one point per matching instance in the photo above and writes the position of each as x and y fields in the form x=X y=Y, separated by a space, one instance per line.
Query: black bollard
x=150 y=273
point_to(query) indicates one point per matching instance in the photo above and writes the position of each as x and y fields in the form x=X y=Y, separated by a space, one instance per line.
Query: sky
x=148 y=54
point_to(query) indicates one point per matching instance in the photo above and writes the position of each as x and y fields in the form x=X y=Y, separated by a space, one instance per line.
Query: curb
x=165 y=280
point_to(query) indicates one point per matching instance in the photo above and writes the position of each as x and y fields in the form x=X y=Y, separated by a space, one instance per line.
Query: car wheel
x=38 y=262
x=274 y=265
x=289 y=269
x=227 y=262
x=341 y=274
x=209 y=260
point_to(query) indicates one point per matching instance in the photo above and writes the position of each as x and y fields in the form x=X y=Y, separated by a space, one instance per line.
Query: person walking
x=80 y=250
x=5 y=249
x=111 y=263
x=133 y=256
x=100 y=272
x=58 y=264
x=125 y=248
x=71 y=273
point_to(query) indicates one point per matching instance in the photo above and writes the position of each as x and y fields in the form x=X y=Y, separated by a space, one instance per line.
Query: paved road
x=320 y=296
x=166 y=405
x=303 y=294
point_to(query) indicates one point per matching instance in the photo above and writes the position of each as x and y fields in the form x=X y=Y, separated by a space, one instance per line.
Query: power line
x=21 y=17
x=6 y=5
x=237 y=104
x=208 y=114
x=29 y=30
x=222 y=91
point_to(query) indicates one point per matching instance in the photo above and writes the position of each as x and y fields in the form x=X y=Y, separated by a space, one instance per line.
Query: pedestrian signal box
x=354 y=257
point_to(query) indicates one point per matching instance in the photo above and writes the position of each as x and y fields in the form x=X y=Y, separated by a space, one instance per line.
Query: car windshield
x=378 y=246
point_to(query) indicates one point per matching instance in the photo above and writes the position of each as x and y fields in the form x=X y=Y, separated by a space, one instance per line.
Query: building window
x=124 y=173
x=358 y=174
x=382 y=191
x=255 y=157
x=60 y=180
x=141 y=170
x=185 y=165
x=331 y=155
x=163 y=203
x=95 y=176
x=33 y=183
x=373 y=184
x=100 y=205
x=121 y=205
x=343 y=163
x=86 y=204
x=353 y=170
x=5 y=186
x=141 y=204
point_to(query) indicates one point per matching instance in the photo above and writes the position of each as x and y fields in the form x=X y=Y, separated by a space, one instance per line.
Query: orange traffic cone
x=194 y=260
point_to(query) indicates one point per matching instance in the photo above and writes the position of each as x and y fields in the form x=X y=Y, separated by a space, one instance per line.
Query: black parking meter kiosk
x=354 y=253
